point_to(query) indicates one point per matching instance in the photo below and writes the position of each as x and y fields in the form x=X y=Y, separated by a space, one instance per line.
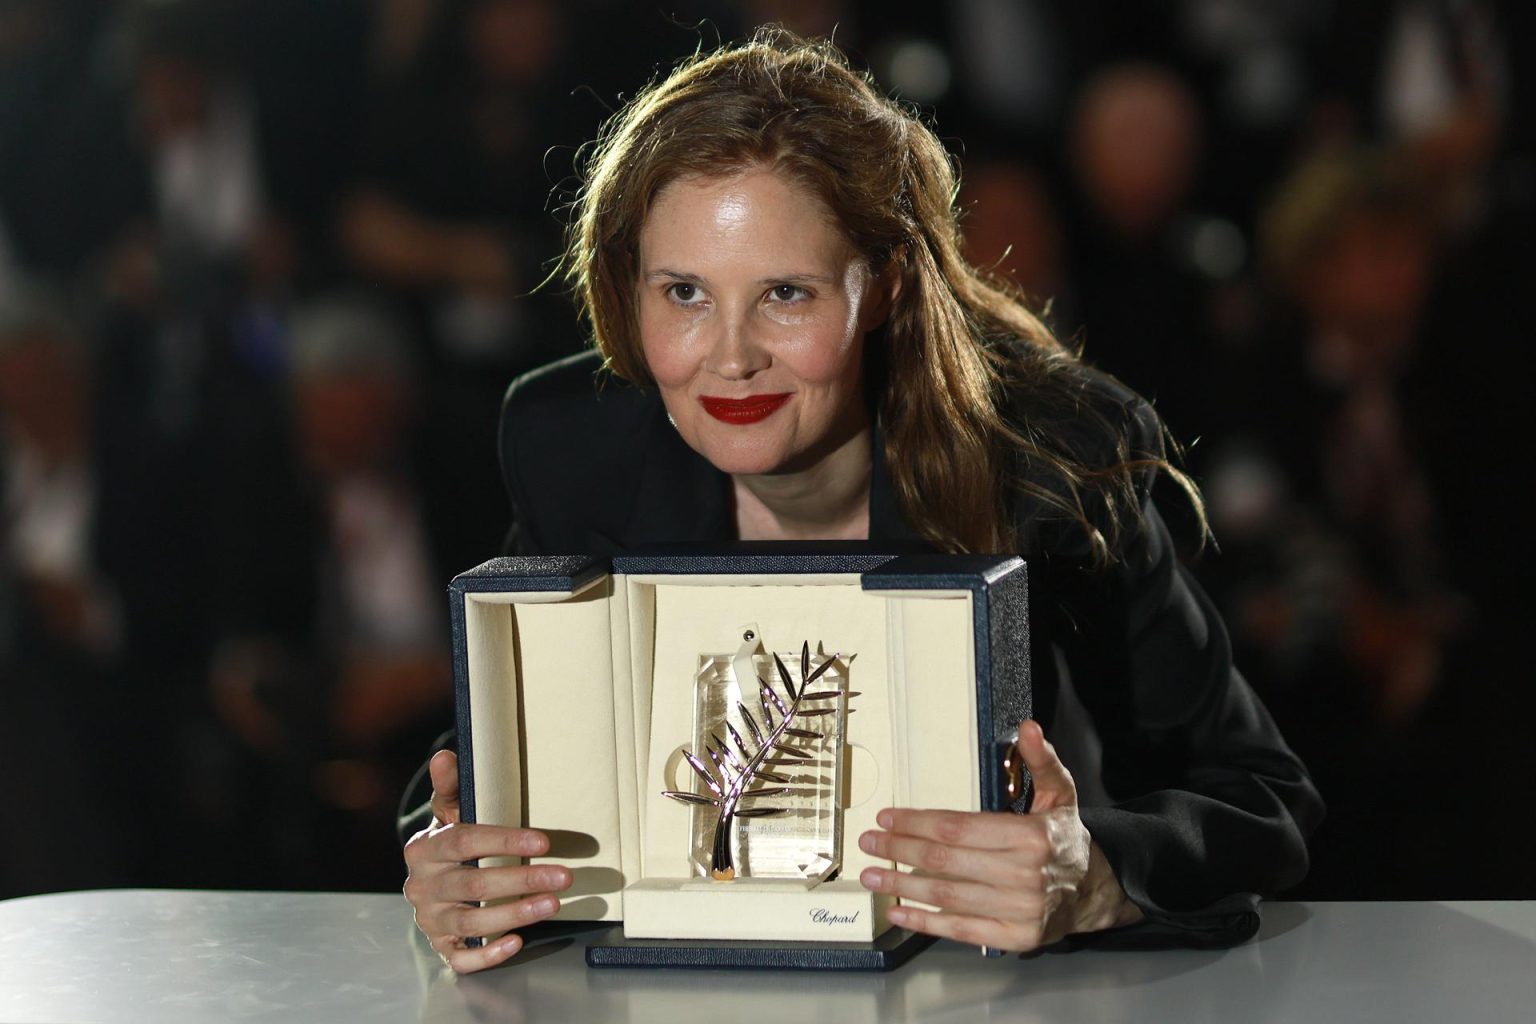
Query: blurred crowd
x=266 y=267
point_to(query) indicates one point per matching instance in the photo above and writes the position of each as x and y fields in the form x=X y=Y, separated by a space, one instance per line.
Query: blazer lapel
x=679 y=494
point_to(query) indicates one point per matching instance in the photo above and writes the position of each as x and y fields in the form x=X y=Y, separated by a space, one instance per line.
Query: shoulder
x=1091 y=452
x=573 y=387
x=1084 y=414
x=1130 y=423
x=571 y=437
x=572 y=404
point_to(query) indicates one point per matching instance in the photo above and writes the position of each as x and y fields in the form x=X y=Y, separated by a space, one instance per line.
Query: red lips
x=741 y=411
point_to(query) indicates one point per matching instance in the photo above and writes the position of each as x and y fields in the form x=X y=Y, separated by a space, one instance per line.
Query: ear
x=881 y=297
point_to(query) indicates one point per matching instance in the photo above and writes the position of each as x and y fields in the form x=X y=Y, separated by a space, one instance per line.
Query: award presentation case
x=575 y=690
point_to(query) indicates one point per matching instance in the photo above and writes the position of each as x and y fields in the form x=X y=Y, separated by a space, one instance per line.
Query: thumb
x=444 y=768
x=1053 y=785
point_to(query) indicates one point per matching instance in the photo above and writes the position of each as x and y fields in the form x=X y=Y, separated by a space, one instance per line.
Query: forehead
x=756 y=210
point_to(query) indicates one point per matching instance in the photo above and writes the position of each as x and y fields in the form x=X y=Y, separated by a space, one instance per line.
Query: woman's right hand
x=444 y=890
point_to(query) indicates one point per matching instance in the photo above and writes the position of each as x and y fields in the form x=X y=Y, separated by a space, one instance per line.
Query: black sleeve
x=1210 y=808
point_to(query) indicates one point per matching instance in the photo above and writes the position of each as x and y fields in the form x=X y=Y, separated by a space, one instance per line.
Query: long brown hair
x=972 y=386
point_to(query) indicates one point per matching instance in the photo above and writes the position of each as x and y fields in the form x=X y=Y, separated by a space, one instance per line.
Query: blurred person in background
x=333 y=649
x=61 y=740
x=50 y=499
x=1359 y=500
x=1442 y=83
x=1350 y=241
x=1135 y=144
x=450 y=210
x=148 y=186
x=1011 y=228
x=185 y=296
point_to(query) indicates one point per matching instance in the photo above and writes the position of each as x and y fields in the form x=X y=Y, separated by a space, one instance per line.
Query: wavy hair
x=972 y=389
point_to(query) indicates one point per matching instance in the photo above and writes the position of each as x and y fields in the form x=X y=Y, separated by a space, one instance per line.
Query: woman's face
x=753 y=308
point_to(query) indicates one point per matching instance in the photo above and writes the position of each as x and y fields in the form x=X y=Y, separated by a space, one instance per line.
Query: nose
x=736 y=352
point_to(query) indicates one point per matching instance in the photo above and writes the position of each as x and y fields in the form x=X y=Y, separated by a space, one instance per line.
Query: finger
x=954 y=896
x=467 y=959
x=444 y=769
x=475 y=885
x=459 y=843
x=468 y=921
x=976 y=930
x=1005 y=869
x=1053 y=785
x=974 y=829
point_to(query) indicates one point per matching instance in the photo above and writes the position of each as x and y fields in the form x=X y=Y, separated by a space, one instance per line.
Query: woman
x=766 y=249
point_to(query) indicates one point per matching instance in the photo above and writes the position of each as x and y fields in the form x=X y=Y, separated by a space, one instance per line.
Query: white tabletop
x=172 y=956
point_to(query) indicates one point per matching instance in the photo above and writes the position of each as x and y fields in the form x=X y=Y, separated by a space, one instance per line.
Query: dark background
x=266 y=267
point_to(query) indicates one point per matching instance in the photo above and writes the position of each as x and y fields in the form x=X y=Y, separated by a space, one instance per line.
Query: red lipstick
x=741 y=411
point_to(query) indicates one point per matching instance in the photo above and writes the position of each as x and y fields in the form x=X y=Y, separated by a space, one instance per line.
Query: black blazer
x=1205 y=807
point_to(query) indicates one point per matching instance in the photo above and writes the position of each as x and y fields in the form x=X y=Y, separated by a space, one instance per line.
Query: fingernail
x=896 y=915
x=544 y=906
x=872 y=878
x=884 y=818
x=867 y=842
x=509 y=945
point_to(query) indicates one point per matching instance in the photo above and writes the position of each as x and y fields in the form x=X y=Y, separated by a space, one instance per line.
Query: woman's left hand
x=1004 y=880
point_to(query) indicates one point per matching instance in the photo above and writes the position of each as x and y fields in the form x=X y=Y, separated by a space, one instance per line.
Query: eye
x=789 y=293
x=684 y=293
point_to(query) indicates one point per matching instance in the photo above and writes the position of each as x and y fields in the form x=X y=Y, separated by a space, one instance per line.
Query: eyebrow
x=668 y=274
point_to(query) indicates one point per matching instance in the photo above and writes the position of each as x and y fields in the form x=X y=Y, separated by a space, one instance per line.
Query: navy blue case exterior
x=1000 y=589
x=889 y=950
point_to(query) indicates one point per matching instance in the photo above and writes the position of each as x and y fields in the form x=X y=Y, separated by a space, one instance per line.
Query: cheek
x=667 y=351
x=827 y=356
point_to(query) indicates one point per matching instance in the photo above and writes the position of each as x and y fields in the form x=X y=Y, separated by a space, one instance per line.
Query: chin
x=741 y=459
x=736 y=462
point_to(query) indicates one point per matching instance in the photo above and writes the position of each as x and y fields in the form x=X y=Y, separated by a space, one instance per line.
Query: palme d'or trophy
x=783 y=762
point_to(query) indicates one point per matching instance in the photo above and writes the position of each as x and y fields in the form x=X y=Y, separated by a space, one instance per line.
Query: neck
x=827 y=501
